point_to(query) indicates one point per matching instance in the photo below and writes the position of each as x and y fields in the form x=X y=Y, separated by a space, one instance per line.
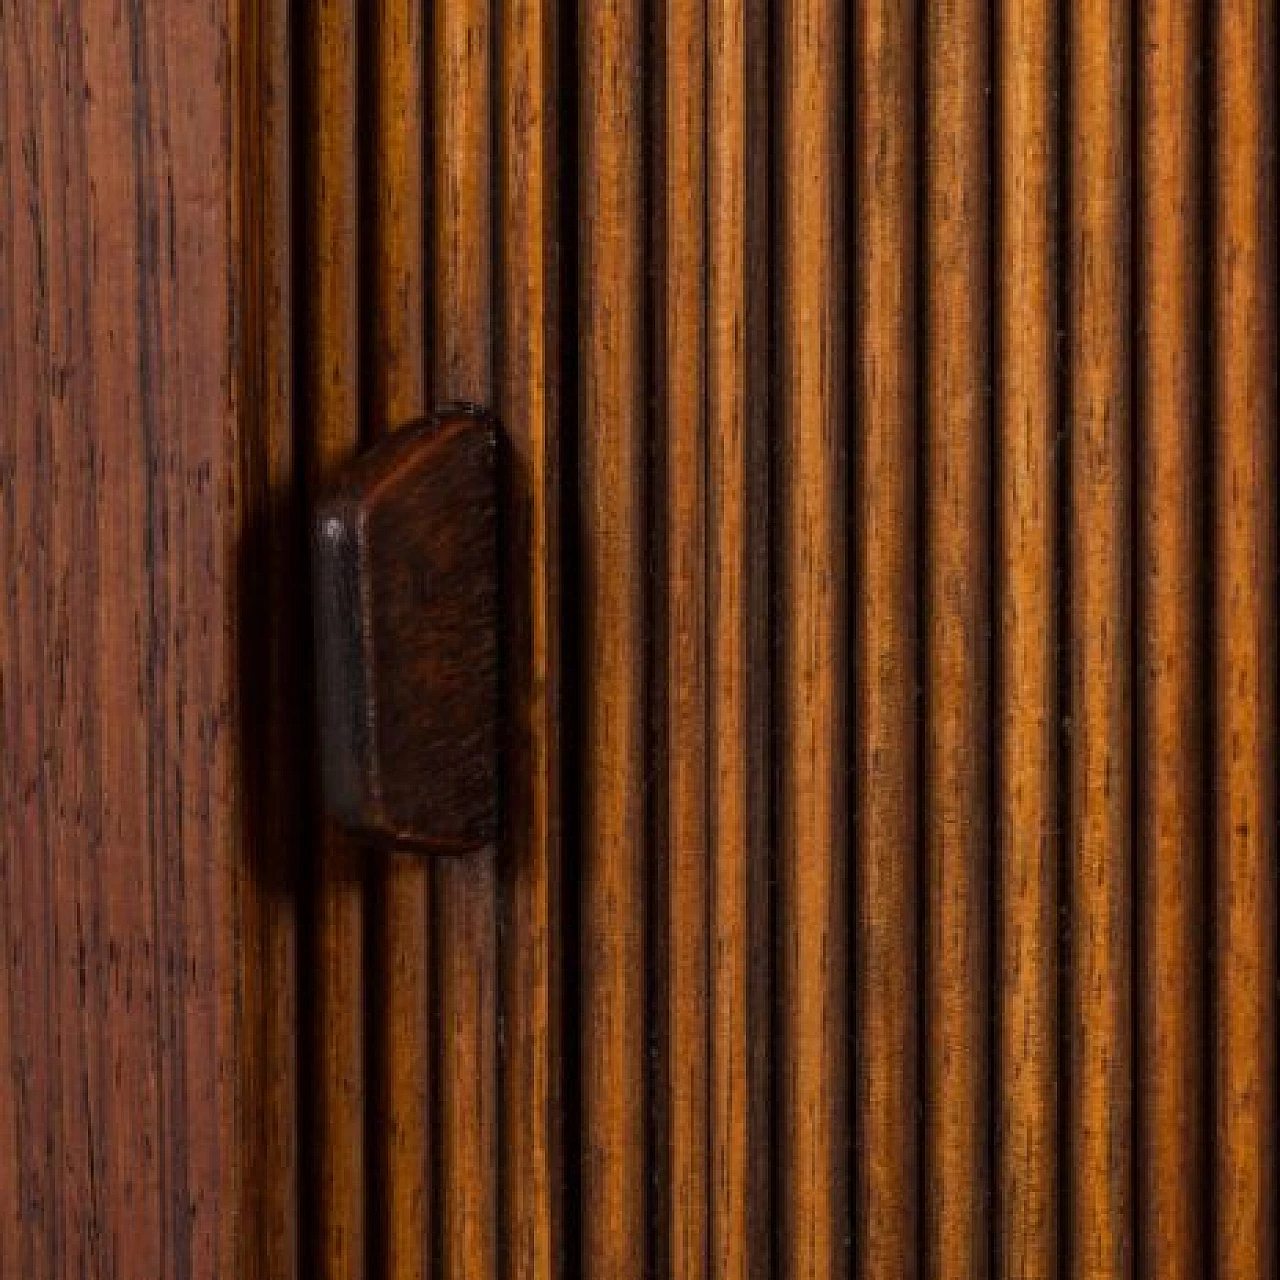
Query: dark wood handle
x=405 y=563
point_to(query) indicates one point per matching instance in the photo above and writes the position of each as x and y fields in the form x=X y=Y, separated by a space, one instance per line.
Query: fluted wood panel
x=888 y=879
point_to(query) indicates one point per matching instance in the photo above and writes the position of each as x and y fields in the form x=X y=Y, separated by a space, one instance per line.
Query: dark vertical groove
x=1209 y=604
x=1062 y=621
x=571 y=631
x=501 y=881
x=299 y=109
x=991 y=796
x=654 y=711
x=922 y=298
x=374 y=969
x=773 y=326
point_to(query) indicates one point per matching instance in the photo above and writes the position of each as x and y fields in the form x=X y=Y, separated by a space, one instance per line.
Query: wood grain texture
x=275 y=688
x=680 y=539
x=465 y=890
x=1171 y=657
x=393 y=218
x=530 y=402
x=1028 y=844
x=1245 y=648
x=956 y=803
x=1100 y=881
x=610 y=544
x=330 y=391
x=813 y=651
x=121 y=514
x=738 y=638
x=886 y=630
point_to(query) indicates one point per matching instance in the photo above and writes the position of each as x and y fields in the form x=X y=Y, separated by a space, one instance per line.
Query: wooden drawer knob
x=405 y=564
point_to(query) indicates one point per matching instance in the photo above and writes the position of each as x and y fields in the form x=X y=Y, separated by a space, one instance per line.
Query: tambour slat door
x=887 y=394
x=888 y=878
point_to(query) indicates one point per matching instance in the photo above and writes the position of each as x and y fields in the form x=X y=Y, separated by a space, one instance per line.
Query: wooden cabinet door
x=887 y=885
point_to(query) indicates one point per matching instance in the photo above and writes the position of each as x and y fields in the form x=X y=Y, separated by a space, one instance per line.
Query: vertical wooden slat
x=1170 y=876
x=331 y=390
x=1026 y=710
x=1244 y=347
x=737 y=623
x=1100 y=1199
x=813 y=654
x=885 y=632
x=400 y=886
x=121 y=844
x=611 y=398
x=956 y=530
x=272 y=583
x=465 y=890
x=529 y=406
x=682 y=639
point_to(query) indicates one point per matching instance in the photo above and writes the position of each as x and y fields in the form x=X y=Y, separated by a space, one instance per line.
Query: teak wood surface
x=886 y=882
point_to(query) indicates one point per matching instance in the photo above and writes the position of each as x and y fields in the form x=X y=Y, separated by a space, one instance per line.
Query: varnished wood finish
x=803 y=581
x=886 y=629
x=957 y=638
x=1172 y=725
x=1245 y=648
x=738 y=628
x=123 y=849
x=331 y=401
x=530 y=401
x=396 y=383
x=681 y=606
x=1099 y=1191
x=813 y=651
x=275 y=687
x=609 y=539
x=465 y=906
x=405 y=567
x=1027 y=710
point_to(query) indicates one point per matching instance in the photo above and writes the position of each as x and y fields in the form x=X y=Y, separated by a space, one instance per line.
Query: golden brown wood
x=465 y=890
x=1027 y=811
x=957 y=692
x=1245 y=480
x=1099 y=1190
x=682 y=638
x=122 y=849
x=400 y=897
x=1170 y=877
x=611 y=400
x=813 y=650
x=331 y=391
x=529 y=406
x=273 y=580
x=737 y=624
x=885 y=627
